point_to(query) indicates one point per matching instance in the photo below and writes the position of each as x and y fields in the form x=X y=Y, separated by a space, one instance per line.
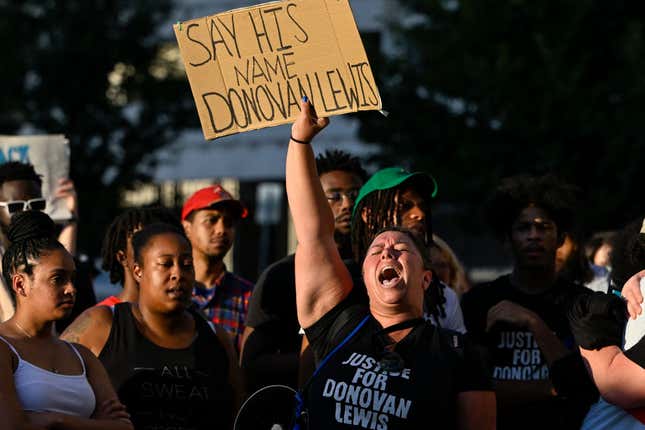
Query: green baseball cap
x=391 y=177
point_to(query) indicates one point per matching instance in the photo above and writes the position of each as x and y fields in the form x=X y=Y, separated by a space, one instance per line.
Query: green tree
x=99 y=72
x=482 y=90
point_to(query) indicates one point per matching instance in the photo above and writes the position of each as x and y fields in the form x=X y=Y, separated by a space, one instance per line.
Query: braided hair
x=32 y=233
x=382 y=212
x=122 y=228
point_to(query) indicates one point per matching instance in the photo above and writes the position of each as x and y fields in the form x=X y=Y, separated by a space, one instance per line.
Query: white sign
x=49 y=154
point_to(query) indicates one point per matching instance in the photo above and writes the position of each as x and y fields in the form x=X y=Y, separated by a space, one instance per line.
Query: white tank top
x=40 y=390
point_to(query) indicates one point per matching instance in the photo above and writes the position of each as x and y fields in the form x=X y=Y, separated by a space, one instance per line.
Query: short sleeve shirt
x=351 y=390
x=226 y=303
x=513 y=351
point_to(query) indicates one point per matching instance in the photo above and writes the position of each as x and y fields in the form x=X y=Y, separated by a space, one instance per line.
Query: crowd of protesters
x=373 y=323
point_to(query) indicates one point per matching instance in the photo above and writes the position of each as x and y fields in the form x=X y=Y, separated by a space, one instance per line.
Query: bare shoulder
x=90 y=329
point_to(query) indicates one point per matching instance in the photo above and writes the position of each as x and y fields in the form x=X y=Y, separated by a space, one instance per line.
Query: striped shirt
x=226 y=303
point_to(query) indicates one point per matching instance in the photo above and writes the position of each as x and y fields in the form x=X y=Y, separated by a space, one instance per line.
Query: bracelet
x=303 y=142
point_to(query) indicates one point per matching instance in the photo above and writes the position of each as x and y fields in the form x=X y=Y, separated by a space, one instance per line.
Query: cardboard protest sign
x=249 y=68
x=49 y=155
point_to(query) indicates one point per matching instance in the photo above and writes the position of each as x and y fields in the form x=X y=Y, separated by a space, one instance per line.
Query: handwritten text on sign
x=250 y=67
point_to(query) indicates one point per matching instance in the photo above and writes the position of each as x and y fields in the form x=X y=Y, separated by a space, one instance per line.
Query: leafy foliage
x=99 y=72
x=482 y=90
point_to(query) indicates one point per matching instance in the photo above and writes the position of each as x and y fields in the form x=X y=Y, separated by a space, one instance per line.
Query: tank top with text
x=168 y=389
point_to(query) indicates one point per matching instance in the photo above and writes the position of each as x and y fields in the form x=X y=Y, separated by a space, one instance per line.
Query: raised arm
x=322 y=280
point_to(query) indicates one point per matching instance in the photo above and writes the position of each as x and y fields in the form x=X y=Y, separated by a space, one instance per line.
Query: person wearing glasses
x=380 y=365
x=272 y=338
x=20 y=190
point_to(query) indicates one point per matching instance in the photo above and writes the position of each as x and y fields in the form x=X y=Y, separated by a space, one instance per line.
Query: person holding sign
x=380 y=366
x=46 y=383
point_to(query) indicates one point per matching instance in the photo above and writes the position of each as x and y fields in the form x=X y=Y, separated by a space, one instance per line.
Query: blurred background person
x=447 y=266
x=520 y=318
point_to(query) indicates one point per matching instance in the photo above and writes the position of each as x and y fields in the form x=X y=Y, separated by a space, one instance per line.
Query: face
x=563 y=253
x=17 y=190
x=534 y=239
x=49 y=289
x=394 y=274
x=341 y=189
x=602 y=255
x=412 y=211
x=440 y=265
x=211 y=231
x=165 y=273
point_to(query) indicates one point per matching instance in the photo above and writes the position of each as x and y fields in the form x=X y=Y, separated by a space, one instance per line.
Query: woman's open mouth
x=389 y=276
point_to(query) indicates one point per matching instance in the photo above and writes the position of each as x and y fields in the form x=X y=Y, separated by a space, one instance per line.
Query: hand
x=67 y=192
x=307 y=123
x=111 y=410
x=631 y=292
x=512 y=313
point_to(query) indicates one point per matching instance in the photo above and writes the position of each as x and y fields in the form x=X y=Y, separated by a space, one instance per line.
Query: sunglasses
x=16 y=206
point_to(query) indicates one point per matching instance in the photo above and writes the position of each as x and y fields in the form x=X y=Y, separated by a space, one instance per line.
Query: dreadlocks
x=122 y=228
x=31 y=233
x=17 y=171
x=340 y=160
x=381 y=212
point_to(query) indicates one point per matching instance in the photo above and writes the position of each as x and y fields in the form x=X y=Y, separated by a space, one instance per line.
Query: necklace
x=22 y=329
x=29 y=336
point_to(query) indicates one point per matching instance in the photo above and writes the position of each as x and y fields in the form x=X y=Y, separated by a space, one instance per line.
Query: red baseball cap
x=209 y=196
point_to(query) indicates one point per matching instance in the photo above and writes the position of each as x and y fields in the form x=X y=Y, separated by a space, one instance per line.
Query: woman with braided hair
x=46 y=383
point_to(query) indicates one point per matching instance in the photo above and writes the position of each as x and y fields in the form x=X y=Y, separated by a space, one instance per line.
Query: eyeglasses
x=337 y=196
x=16 y=206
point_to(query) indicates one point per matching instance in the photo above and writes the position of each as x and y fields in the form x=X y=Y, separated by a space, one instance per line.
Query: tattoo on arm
x=77 y=329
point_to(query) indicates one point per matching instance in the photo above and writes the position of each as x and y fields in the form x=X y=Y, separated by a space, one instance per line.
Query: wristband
x=302 y=142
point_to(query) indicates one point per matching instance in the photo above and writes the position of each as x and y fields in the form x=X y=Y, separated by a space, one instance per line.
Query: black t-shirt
x=514 y=353
x=168 y=389
x=352 y=391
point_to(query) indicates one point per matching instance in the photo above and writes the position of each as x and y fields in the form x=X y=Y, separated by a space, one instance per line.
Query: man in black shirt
x=272 y=338
x=521 y=318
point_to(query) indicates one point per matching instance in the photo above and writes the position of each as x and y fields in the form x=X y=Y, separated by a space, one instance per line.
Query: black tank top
x=168 y=389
